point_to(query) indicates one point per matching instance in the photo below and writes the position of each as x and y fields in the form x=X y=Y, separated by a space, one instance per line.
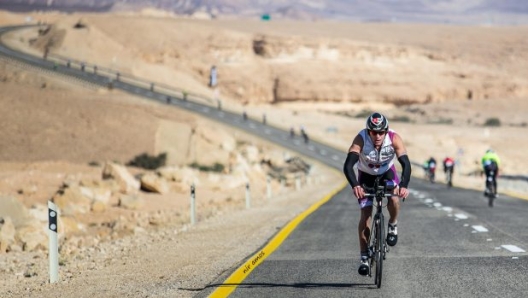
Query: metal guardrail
x=115 y=75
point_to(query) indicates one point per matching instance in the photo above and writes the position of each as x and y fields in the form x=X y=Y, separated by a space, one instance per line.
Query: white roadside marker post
x=248 y=196
x=268 y=187
x=53 y=245
x=193 y=205
x=298 y=182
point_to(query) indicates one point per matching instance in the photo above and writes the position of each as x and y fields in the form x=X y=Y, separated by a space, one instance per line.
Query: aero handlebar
x=386 y=195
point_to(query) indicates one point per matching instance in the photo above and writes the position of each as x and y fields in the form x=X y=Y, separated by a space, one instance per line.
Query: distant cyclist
x=490 y=163
x=432 y=168
x=374 y=149
x=425 y=167
x=449 y=169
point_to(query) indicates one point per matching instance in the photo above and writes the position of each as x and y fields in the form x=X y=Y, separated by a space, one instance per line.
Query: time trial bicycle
x=378 y=247
x=490 y=188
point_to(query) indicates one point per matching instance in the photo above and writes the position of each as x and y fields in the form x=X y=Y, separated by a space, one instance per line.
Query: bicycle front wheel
x=379 y=250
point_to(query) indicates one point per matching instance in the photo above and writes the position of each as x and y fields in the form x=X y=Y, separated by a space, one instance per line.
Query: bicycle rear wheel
x=379 y=251
x=491 y=196
x=490 y=192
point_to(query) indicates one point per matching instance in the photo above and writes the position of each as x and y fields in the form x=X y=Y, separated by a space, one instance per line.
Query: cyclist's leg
x=487 y=172
x=364 y=226
x=394 y=208
x=364 y=230
x=486 y=183
x=495 y=176
x=366 y=211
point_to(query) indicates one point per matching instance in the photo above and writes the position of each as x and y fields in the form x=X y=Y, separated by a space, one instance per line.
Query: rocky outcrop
x=78 y=198
x=127 y=183
x=296 y=68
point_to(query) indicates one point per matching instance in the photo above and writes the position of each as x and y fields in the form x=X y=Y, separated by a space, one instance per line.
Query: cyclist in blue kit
x=374 y=150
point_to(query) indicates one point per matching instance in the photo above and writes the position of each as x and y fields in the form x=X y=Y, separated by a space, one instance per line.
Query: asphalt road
x=451 y=244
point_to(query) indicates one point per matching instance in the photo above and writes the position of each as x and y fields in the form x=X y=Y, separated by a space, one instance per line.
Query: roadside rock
x=7 y=234
x=12 y=207
x=127 y=183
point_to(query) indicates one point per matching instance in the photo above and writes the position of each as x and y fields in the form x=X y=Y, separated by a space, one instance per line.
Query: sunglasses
x=379 y=133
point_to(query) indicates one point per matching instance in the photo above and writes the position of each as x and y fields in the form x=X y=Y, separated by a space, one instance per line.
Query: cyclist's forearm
x=406 y=170
x=348 y=168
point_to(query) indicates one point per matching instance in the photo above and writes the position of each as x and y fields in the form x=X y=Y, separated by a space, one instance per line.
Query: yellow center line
x=236 y=278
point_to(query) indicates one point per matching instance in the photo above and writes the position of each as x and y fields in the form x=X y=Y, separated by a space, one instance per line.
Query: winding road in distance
x=451 y=244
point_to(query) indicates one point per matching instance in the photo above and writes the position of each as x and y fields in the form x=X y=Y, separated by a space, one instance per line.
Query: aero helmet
x=377 y=122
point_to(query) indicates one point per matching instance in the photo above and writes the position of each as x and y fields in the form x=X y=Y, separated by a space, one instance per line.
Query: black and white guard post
x=53 y=244
x=193 y=205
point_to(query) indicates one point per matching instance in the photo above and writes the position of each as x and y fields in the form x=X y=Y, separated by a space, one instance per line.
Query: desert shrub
x=401 y=119
x=149 y=162
x=363 y=114
x=415 y=110
x=94 y=163
x=522 y=124
x=240 y=143
x=216 y=167
x=442 y=121
x=492 y=122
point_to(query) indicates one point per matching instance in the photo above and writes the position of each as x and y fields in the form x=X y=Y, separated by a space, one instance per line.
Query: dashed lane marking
x=461 y=216
x=480 y=229
x=512 y=248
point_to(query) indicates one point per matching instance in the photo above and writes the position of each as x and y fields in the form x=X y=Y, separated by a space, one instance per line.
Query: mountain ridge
x=428 y=11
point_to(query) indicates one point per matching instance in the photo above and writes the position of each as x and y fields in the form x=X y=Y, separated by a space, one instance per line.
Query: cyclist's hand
x=403 y=193
x=359 y=192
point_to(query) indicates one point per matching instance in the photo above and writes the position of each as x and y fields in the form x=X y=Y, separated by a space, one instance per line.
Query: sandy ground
x=53 y=128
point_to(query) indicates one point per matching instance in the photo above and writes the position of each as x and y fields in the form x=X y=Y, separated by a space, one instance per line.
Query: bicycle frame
x=377 y=243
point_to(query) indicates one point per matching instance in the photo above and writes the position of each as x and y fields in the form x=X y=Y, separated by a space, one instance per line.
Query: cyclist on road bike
x=374 y=150
x=432 y=168
x=449 y=166
x=490 y=163
x=425 y=167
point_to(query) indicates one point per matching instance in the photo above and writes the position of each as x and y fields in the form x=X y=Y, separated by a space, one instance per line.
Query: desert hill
x=449 y=78
x=396 y=64
x=448 y=90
